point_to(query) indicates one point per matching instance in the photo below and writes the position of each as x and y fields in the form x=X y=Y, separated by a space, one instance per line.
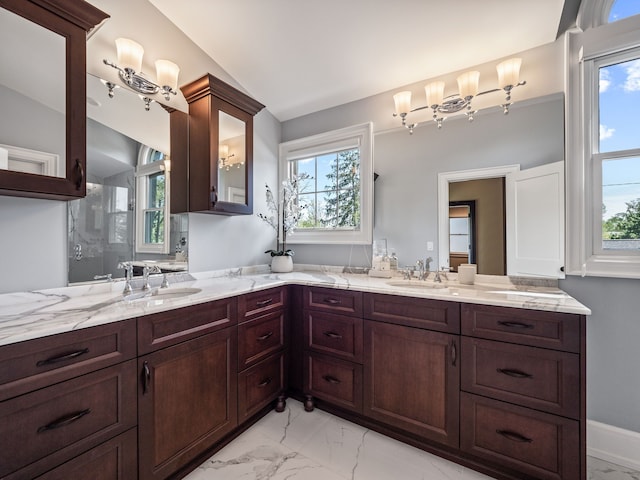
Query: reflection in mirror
x=232 y=173
x=32 y=110
x=123 y=217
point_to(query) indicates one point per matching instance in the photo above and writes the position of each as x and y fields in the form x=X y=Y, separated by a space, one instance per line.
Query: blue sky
x=619 y=130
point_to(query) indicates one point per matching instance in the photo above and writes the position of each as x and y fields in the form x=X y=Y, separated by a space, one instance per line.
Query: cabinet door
x=187 y=400
x=412 y=380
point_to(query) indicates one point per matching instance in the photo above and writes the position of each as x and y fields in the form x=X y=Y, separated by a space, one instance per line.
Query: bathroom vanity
x=489 y=376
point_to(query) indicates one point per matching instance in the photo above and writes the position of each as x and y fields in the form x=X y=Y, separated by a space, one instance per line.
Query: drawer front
x=260 y=338
x=335 y=335
x=544 y=446
x=538 y=378
x=66 y=419
x=34 y=364
x=262 y=302
x=116 y=459
x=333 y=380
x=559 y=331
x=174 y=326
x=345 y=302
x=437 y=315
x=259 y=385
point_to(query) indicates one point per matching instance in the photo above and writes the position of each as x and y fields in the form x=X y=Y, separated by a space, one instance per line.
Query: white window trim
x=581 y=175
x=143 y=171
x=317 y=144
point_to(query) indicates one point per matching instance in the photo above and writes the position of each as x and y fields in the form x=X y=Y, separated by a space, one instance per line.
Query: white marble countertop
x=29 y=315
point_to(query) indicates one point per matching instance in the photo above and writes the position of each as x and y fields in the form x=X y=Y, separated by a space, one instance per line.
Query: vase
x=282 y=264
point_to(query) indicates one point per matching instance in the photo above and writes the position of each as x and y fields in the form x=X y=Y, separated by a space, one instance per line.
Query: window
x=603 y=164
x=335 y=187
x=152 y=212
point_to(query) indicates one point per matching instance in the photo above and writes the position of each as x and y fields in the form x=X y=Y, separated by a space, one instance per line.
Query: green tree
x=624 y=225
x=342 y=199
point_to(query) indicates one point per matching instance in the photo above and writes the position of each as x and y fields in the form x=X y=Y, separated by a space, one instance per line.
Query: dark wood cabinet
x=260 y=338
x=71 y=20
x=187 y=401
x=524 y=399
x=259 y=385
x=64 y=420
x=412 y=379
x=213 y=105
x=336 y=335
x=334 y=381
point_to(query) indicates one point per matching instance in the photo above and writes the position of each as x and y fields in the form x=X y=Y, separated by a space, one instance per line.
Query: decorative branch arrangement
x=284 y=218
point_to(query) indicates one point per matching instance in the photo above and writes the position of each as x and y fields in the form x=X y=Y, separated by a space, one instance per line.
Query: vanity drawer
x=345 y=302
x=259 y=338
x=174 y=326
x=559 y=331
x=425 y=313
x=115 y=459
x=34 y=364
x=260 y=384
x=333 y=380
x=335 y=335
x=62 y=421
x=259 y=303
x=534 y=377
x=545 y=446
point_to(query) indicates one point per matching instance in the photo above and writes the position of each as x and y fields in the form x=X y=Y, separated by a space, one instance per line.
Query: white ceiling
x=301 y=56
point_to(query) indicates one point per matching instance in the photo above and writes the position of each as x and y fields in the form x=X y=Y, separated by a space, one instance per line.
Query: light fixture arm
x=140 y=84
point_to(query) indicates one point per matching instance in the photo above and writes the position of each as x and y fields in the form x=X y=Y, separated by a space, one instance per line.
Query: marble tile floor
x=296 y=445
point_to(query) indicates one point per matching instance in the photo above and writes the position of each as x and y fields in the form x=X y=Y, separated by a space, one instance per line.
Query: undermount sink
x=416 y=284
x=161 y=294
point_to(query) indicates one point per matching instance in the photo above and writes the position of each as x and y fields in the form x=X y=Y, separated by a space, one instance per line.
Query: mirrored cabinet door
x=42 y=97
x=220 y=159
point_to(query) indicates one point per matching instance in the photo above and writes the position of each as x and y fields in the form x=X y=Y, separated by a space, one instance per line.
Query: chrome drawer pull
x=262 y=338
x=332 y=380
x=333 y=335
x=265 y=382
x=66 y=420
x=62 y=358
x=264 y=302
x=515 y=325
x=332 y=301
x=514 y=373
x=514 y=436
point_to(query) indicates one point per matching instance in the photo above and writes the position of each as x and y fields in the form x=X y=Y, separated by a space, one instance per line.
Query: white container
x=467 y=273
x=282 y=264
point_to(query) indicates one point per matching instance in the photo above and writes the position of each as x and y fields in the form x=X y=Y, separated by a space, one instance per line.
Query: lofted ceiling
x=302 y=56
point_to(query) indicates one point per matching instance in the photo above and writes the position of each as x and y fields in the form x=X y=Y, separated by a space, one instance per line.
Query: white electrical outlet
x=430 y=246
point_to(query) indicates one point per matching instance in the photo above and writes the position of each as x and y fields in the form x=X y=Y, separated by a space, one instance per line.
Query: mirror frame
x=206 y=97
x=72 y=20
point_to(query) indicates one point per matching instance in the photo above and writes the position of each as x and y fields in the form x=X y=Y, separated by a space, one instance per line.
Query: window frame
x=362 y=136
x=143 y=172
x=585 y=51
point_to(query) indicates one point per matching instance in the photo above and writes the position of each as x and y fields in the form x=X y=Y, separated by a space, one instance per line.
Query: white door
x=535 y=221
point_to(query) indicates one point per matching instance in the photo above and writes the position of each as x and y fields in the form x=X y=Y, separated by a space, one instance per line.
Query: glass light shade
x=167 y=74
x=468 y=84
x=509 y=72
x=403 y=102
x=129 y=54
x=223 y=151
x=435 y=93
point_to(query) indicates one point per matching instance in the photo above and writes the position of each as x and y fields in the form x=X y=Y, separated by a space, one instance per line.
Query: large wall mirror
x=125 y=215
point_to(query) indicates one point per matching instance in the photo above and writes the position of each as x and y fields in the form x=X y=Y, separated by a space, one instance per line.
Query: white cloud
x=632 y=84
x=606 y=132
x=605 y=80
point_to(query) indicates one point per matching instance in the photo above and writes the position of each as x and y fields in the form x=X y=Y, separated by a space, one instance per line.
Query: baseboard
x=613 y=444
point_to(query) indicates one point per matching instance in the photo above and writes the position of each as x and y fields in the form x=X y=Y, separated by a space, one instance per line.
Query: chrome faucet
x=128 y=275
x=146 y=270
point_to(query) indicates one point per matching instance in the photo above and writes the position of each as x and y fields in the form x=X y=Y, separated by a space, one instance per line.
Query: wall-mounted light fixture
x=129 y=67
x=226 y=161
x=508 y=79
